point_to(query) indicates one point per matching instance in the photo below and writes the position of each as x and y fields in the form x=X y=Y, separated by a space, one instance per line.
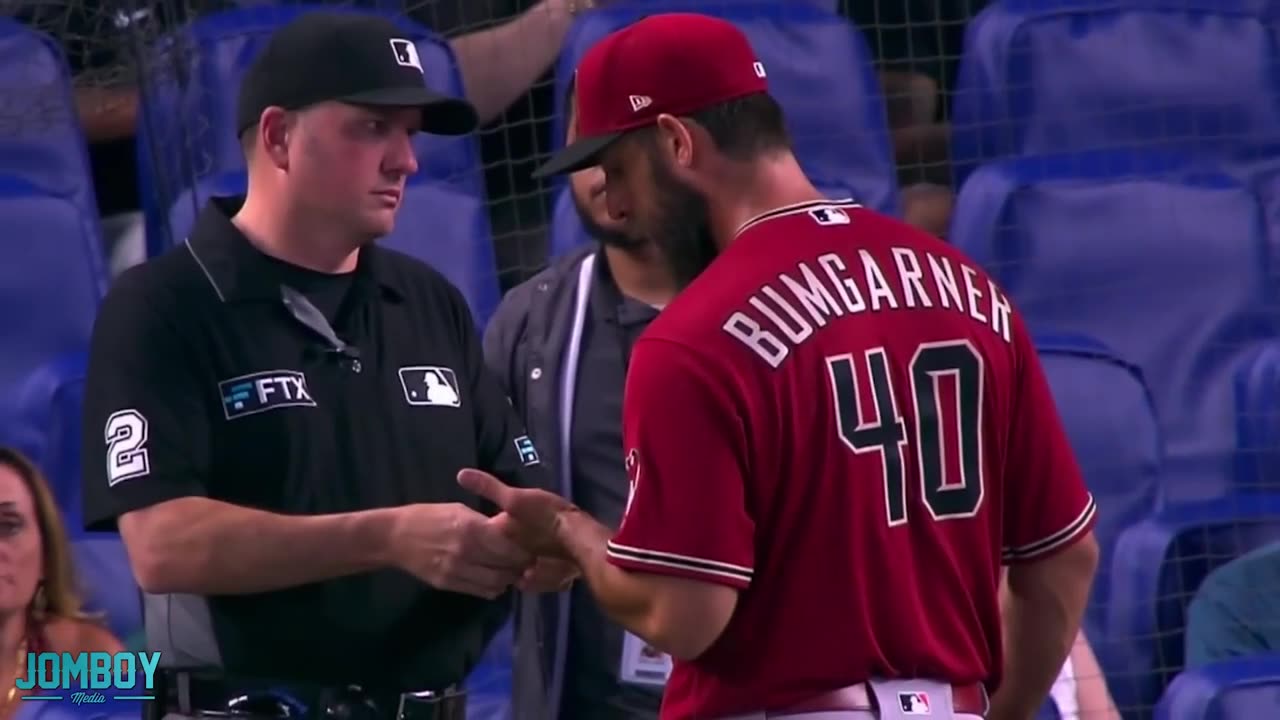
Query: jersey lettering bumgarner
x=126 y=436
x=827 y=288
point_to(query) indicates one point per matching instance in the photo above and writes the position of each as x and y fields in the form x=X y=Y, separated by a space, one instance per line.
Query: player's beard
x=597 y=232
x=682 y=226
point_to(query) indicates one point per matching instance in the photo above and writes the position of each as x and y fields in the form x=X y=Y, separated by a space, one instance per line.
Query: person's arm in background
x=1048 y=543
x=500 y=64
x=1092 y=696
x=148 y=455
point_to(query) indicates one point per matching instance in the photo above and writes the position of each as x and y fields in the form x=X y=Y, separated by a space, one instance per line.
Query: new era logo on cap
x=640 y=102
x=406 y=53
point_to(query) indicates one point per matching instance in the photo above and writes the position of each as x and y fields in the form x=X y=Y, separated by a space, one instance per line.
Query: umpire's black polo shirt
x=202 y=383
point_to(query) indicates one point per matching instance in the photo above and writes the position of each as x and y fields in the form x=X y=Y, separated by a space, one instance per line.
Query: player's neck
x=754 y=189
x=286 y=236
x=640 y=274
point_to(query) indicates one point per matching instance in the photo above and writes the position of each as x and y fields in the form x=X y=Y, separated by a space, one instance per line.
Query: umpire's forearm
x=1041 y=620
x=206 y=547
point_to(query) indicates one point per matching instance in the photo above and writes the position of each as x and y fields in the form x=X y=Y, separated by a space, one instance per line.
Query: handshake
x=455 y=548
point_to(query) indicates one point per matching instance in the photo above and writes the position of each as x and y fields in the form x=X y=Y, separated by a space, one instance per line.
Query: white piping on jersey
x=209 y=276
x=1056 y=539
x=683 y=562
x=793 y=209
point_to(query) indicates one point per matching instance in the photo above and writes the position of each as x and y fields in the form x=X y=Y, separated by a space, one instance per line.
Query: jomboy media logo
x=89 y=678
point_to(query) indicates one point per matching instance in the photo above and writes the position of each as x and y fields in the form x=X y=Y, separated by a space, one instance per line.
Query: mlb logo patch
x=829 y=216
x=406 y=53
x=430 y=385
x=527 y=452
x=914 y=703
x=263 y=391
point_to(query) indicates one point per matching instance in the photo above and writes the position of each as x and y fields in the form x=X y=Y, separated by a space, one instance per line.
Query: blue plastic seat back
x=1243 y=689
x=1046 y=76
x=438 y=223
x=819 y=70
x=1109 y=245
x=1257 y=389
x=187 y=121
x=489 y=684
x=51 y=281
x=1107 y=412
x=448 y=228
x=1158 y=566
x=42 y=141
x=107 y=583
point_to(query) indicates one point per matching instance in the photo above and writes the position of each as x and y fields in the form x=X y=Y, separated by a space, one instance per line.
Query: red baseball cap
x=673 y=63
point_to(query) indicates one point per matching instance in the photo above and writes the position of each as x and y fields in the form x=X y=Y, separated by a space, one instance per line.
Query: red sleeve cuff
x=1079 y=526
x=685 y=566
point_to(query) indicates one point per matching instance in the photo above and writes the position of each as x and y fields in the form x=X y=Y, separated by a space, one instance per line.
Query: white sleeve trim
x=1057 y=539
x=655 y=558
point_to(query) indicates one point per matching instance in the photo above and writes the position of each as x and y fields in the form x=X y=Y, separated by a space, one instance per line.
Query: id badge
x=643 y=664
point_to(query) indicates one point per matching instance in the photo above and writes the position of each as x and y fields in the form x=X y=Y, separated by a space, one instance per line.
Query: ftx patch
x=263 y=391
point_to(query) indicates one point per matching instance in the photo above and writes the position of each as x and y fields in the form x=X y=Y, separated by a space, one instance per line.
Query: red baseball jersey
x=845 y=419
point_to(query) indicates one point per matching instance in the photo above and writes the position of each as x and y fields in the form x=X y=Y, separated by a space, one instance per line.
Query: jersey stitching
x=1057 y=539
x=793 y=209
x=683 y=562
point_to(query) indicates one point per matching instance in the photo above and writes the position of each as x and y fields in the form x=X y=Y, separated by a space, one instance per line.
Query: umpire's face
x=347 y=165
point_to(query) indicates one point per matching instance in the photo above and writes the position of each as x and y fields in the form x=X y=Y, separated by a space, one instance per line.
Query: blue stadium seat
x=42 y=141
x=1049 y=711
x=1046 y=76
x=187 y=118
x=51 y=282
x=1258 y=419
x=1107 y=412
x=106 y=581
x=1108 y=244
x=439 y=223
x=1243 y=689
x=819 y=70
x=489 y=685
x=1158 y=566
x=47 y=409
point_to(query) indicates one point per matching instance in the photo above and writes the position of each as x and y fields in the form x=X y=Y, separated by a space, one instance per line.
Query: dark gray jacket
x=530 y=345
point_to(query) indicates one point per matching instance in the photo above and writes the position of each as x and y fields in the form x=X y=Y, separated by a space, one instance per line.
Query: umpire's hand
x=452 y=547
x=536 y=512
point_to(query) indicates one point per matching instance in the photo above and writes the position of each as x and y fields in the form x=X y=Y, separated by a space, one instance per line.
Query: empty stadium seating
x=1257 y=392
x=1042 y=76
x=1244 y=689
x=1165 y=260
x=1158 y=565
x=51 y=282
x=819 y=70
x=187 y=119
x=42 y=141
x=1107 y=412
x=439 y=223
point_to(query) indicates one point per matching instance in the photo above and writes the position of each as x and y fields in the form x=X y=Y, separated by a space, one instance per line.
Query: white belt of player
x=878 y=699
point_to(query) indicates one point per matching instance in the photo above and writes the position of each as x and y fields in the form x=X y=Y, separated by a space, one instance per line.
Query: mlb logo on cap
x=914 y=703
x=406 y=53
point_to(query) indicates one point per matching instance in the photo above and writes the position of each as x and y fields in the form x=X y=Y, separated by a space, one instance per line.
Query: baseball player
x=837 y=433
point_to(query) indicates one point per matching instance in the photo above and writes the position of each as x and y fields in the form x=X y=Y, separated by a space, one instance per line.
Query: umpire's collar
x=240 y=272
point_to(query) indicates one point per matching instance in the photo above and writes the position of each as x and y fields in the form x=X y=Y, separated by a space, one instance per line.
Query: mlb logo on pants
x=914 y=703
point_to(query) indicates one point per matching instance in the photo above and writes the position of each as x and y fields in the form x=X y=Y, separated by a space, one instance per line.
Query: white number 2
x=126 y=435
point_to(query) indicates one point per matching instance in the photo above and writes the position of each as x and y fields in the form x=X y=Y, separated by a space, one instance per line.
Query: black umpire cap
x=348 y=57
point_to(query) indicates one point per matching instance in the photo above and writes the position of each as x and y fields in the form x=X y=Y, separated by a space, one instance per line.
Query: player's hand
x=536 y=512
x=549 y=574
x=452 y=547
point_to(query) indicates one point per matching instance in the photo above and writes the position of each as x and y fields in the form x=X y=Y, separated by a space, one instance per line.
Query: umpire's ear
x=272 y=135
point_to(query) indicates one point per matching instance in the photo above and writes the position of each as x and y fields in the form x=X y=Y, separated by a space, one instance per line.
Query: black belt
x=215 y=696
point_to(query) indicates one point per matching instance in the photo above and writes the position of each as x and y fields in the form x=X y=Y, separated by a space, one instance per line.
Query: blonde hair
x=56 y=596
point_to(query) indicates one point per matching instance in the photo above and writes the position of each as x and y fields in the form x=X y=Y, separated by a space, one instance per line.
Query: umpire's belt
x=220 y=696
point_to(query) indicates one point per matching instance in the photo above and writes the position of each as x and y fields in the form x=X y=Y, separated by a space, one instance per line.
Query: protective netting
x=1109 y=162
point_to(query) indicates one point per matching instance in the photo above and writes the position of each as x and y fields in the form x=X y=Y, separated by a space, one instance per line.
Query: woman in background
x=39 y=608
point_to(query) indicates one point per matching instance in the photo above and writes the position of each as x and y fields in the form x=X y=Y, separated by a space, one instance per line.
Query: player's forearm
x=621 y=596
x=207 y=547
x=1041 y=621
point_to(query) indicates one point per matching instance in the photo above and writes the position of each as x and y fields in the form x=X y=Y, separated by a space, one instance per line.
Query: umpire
x=276 y=411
